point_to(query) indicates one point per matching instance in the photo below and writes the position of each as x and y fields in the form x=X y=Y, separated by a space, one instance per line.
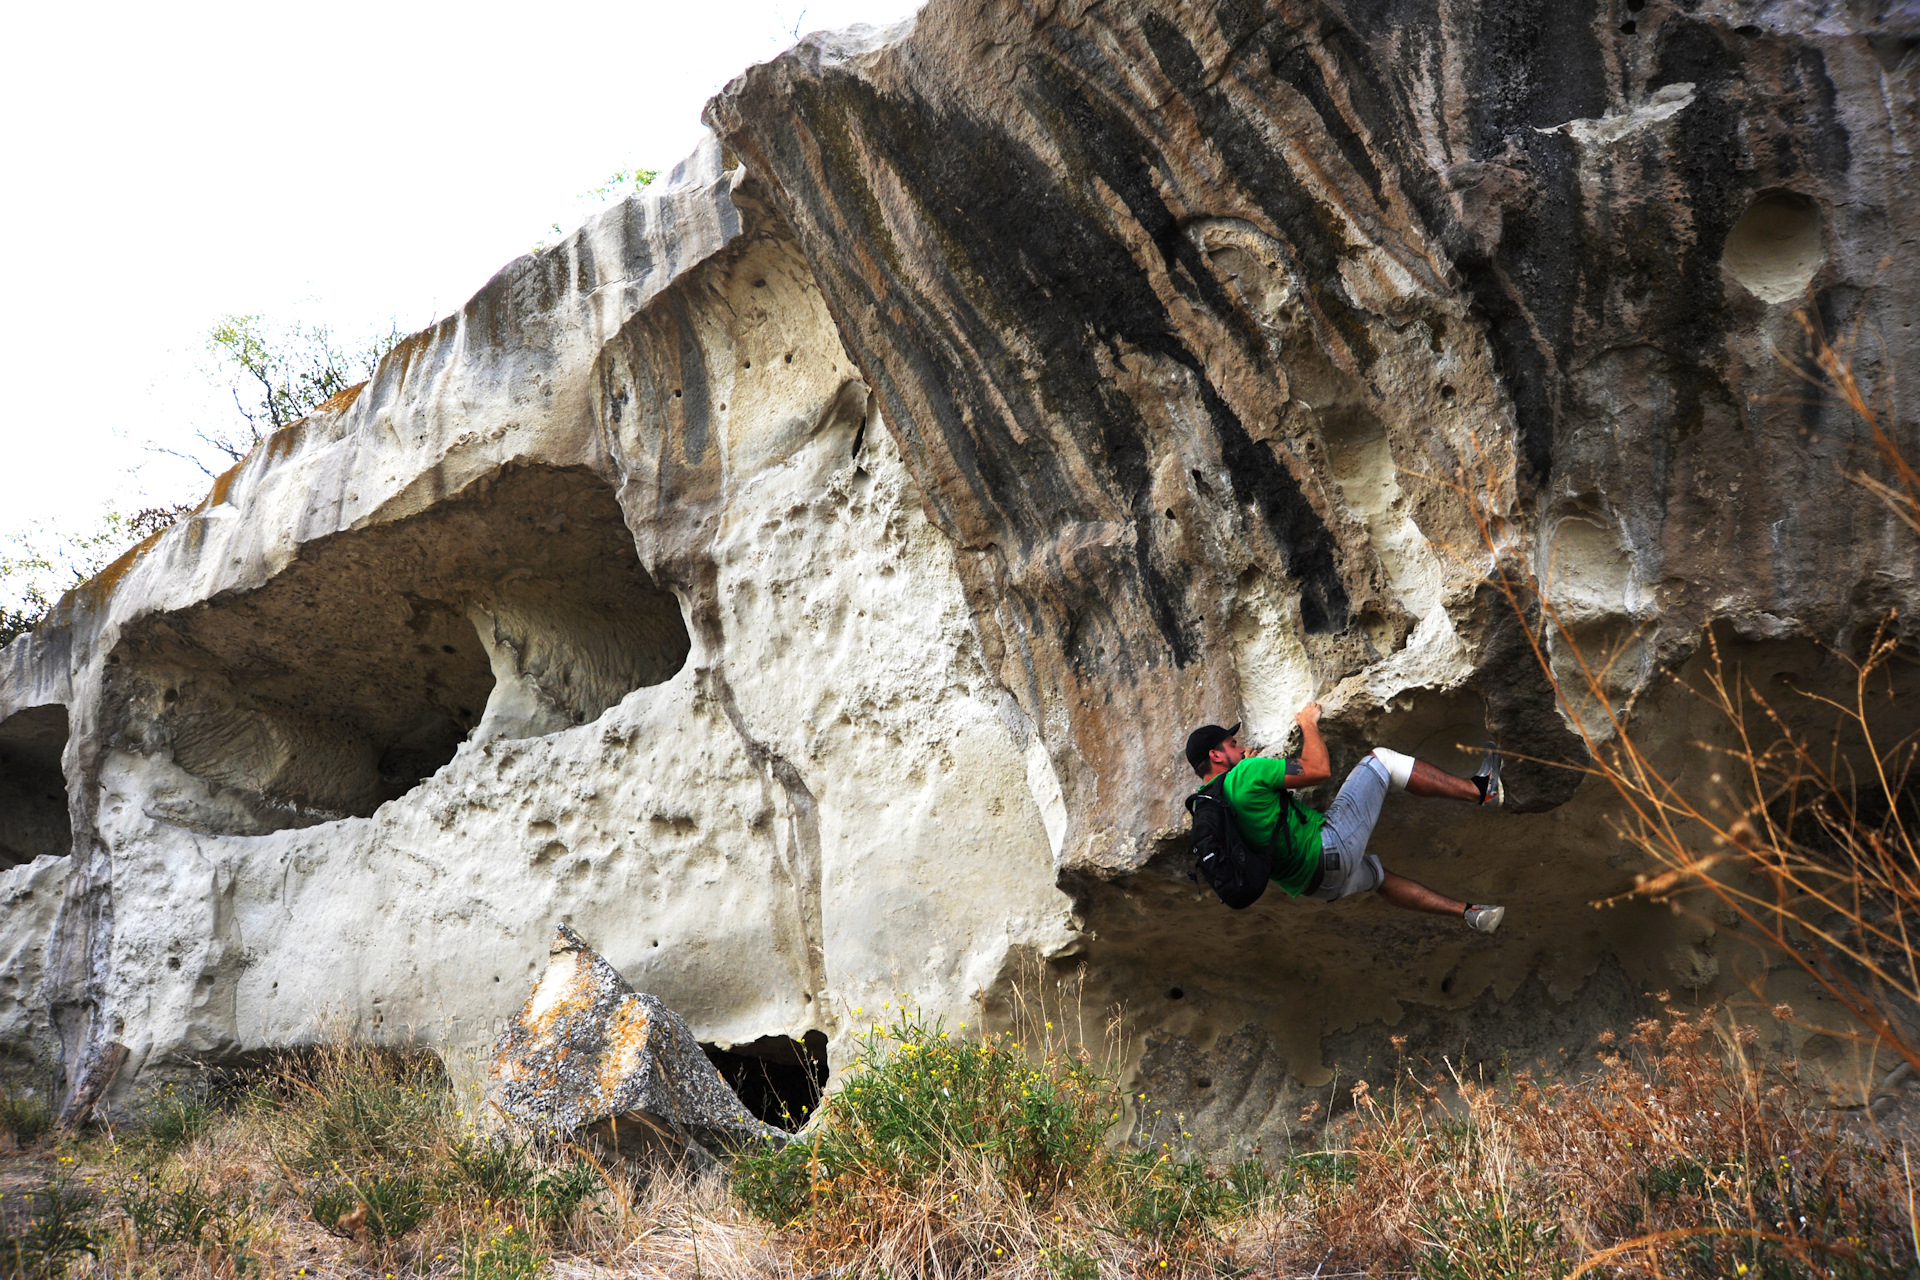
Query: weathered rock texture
x=803 y=577
x=588 y=1048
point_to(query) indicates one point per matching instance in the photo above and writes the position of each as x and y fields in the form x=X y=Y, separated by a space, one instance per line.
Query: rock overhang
x=1036 y=389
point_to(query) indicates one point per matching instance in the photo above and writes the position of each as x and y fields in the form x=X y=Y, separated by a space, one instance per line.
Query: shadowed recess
x=778 y=1079
x=515 y=609
x=1776 y=247
x=33 y=791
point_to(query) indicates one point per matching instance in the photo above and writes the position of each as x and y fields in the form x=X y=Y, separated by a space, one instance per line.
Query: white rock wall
x=829 y=805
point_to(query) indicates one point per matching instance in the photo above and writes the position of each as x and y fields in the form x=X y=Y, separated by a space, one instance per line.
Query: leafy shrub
x=1324 y=1167
x=941 y=1154
x=379 y=1207
x=558 y=1193
x=1485 y=1238
x=59 y=1229
x=503 y=1253
x=1163 y=1198
x=365 y=1131
x=163 y=1215
x=175 y=1118
x=25 y=1112
x=1066 y=1263
x=1674 y=1179
x=216 y=1224
x=357 y=1107
x=488 y=1168
x=918 y=1100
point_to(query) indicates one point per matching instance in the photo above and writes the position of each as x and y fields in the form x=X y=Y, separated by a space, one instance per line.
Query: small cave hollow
x=33 y=788
x=1777 y=246
x=514 y=609
x=777 y=1078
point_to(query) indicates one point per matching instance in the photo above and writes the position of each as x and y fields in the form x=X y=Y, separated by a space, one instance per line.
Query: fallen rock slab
x=587 y=1049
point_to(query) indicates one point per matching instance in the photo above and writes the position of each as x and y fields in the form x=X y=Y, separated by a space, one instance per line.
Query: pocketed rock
x=802 y=577
x=588 y=1048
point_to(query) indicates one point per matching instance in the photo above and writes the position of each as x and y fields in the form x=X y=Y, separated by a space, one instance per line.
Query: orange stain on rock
x=626 y=1045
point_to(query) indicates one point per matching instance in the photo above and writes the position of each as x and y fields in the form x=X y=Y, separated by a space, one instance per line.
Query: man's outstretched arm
x=1315 y=767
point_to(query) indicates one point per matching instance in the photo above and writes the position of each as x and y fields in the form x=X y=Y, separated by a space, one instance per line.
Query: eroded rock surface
x=587 y=1048
x=802 y=578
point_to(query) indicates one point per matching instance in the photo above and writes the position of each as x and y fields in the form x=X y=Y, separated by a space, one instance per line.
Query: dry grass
x=1805 y=834
x=1689 y=1149
x=1686 y=1151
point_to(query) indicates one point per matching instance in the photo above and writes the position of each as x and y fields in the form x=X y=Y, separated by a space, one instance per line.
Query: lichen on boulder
x=587 y=1048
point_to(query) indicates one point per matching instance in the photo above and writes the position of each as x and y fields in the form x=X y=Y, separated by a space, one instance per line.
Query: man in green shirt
x=1325 y=855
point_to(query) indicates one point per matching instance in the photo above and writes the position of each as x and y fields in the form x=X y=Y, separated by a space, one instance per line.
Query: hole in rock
x=1777 y=246
x=778 y=1079
x=1446 y=391
x=1628 y=27
x=1175 y=994
x=517 y=608
x=33 y=790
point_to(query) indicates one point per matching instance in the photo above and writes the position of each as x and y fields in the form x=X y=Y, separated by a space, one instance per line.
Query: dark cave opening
x=33 y=788
x=517 y=608
x=778 y=1079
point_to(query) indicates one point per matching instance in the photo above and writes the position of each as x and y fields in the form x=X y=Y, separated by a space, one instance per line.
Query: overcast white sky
x=346 y=163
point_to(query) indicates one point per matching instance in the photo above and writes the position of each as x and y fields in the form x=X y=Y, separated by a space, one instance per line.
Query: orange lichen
x=287 y=439
x=404 y=350
x=626 y=1045
x=567 y=1006
x=339 y=401
x=222 y=487
x=93 y=594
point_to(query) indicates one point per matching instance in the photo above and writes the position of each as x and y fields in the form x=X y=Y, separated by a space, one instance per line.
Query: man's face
x=1228 y=753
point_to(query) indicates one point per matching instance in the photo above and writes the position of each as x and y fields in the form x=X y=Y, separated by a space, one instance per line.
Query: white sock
x=1399 y=767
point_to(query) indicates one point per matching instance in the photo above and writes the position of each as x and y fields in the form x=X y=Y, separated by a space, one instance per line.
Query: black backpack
x=1237 y=871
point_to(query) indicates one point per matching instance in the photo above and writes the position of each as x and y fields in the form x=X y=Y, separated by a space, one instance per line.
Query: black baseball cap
x=1203 y=740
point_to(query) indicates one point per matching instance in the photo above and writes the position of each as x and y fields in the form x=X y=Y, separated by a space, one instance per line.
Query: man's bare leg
x=1429 y=781
x=1411 y=895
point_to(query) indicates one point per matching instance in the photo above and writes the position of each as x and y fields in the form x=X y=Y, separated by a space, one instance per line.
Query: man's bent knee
x=1399 y=767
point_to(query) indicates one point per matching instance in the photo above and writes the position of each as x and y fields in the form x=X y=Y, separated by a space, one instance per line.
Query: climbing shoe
x=1488 y=780
x=1485 y=919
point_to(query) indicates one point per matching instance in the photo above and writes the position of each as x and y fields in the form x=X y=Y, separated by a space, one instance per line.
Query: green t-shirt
x=1256 y=792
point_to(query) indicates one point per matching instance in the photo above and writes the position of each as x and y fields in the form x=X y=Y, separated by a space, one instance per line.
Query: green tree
x=276 y=375
x=43 y=561
x=618 y=185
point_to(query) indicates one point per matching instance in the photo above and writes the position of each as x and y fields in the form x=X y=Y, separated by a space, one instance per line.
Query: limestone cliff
x=803 y=577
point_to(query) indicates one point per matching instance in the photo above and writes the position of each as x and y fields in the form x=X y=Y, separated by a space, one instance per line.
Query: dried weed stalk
x=1806 y=836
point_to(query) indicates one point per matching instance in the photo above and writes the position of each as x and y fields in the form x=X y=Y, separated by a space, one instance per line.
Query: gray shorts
x=1346 y=868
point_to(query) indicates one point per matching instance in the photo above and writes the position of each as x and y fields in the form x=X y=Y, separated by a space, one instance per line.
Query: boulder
x=803 y=576
x=587 y=1048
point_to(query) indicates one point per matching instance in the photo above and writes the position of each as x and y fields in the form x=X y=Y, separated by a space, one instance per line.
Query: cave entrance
x=514 y=609
x=33 y=788
x=778 y=1079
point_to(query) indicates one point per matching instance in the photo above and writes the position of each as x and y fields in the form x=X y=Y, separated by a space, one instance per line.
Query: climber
x=1324 y=856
